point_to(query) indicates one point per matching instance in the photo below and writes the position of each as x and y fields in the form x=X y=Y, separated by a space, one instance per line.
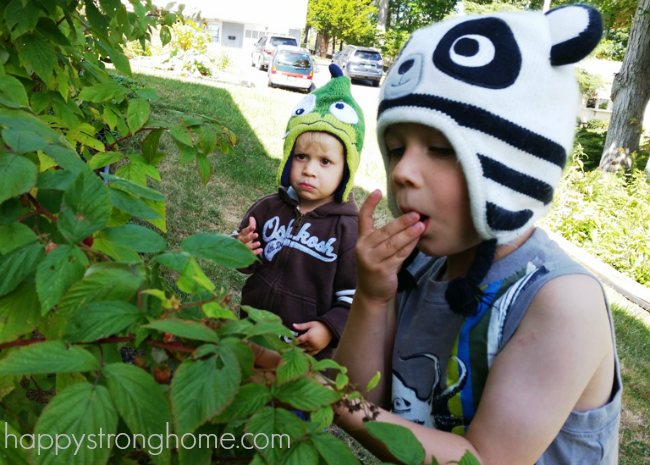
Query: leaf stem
x=189 y=305
x=128 y=136
x=41 y=209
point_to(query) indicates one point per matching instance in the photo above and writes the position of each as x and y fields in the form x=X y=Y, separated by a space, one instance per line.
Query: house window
x=591 y=103
x=603 y=104
x=248 y=34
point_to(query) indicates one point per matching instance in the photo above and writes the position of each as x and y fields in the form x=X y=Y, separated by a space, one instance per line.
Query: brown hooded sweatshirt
x=308 y=268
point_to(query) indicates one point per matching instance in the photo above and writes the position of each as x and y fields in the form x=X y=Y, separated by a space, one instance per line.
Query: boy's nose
x=407 y=171
x=308 y=169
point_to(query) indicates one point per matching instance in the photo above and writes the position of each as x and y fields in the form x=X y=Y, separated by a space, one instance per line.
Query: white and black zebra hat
x=499 y=88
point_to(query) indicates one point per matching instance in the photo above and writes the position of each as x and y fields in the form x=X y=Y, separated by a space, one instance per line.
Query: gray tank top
x=441 y=360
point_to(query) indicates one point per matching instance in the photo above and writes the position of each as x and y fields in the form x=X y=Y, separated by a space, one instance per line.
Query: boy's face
x=426 y=177
x=317 y=169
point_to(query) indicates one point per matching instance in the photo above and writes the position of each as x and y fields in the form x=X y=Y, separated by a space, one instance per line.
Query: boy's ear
x=575 y=32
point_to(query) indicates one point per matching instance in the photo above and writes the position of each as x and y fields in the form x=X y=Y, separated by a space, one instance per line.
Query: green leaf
x=133 y=188
x=277 y=329
x=202 y=380
x=121 y=62
x=137 y=114
x=261 y=316
x=80 y=411
x=12 y=93
x=295 y=365
x=48 y=357
x=136 y=237
x=306 y=394
x=99 y=320
x=63 y=380
x=61 y=268
x=114 y=282
x=204 y=167
x=102 y=92
x=141 y=403
x=188 y=153
x=11 y=455
x=327 y=364
x=322 y=418
x=150 y=144
x=207 y=139
x=177 y=261
x=148 y=93
x=341 y=381
x=17 y=175
x=23 y=15
x=14 y=235
x=19 y=311
x=214 y=310
x=104 y=158
x=302 y=454
x=132 y=205
x=401 y=442
x=193 y=280
x=220 y=249
x=17 y=264
x=179 y=133
x=373 y=382
x=10 y=211
x=185 y=329
x=332 y=450
x=269 y=421
x=56 y=179
x=23 y=142
x=86 y=207
x=38 y=54
x=165 y=35
x=51 y=31
x=249 y=399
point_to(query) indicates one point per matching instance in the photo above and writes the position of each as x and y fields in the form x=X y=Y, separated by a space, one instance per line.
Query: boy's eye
x=325 y=161
x=305 y=106
x=443 y=151
x=344 y=113
x=396 y=152
x=300 y=156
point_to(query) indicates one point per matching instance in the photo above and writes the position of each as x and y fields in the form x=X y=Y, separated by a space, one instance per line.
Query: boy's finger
x=396 y=231
x=366 y=221
x=252 y=223
x=258 y=251
x=302 y=339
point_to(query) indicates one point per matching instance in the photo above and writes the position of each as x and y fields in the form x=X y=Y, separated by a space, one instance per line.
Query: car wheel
x=259 y=63
x=270 y=84
x=375 y=83
x=252 y=60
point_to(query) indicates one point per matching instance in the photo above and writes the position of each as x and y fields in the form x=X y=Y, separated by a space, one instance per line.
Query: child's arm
x=317 y=337
x=248 y=236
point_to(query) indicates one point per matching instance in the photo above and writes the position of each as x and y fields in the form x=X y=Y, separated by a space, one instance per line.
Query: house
x=240 y=23
x=600 y=107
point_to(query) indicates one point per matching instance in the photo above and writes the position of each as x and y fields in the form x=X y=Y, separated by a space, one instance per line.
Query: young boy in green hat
x=305 y=234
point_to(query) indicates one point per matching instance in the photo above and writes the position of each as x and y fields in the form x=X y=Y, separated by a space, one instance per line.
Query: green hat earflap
x=329 y=109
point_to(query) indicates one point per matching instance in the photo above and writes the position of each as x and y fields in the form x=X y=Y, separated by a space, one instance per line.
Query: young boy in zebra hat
x=497 y=342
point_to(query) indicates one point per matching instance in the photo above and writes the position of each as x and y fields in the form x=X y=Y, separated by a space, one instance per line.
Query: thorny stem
x=39 y=391
x=128 y=136
x=40 y=208
x=23 y=218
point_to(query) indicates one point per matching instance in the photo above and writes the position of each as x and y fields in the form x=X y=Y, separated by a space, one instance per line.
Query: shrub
x=606 y=214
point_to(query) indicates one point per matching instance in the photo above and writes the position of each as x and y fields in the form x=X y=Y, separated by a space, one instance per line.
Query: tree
x=349 y=20
x=630 y=95
x=409 y=15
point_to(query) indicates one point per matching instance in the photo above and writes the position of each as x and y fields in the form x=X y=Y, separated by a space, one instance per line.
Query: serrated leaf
x=184 y=329
x=137 y=114
x=328 y=364
x=17 y=175
x=48 y=357
x=295 y=365
x=468 y=459
x=341 y=381
x=22 y=15
x=276 y=329
x=79 y=411
x=11 y=455
x=261 y=316
x=302 y=454
x=179 y=133
x=99 y=320
x=103 y=159
x=12 y=93
x=118 y=282
x=63 y=380
x=218 y=248
x=141 y=403
x=132 y=205
x=148 y=93
x=19 y=311
x=38 y=54
x=373 y=382
x=21 y=142
x=400 y=441
x=175 y=260
x=136 y=237
x=56 y=179
x=322 y=418
x=133 y=188
x=86 y=207
x=61 y=268
x=204 y=167
x=214 y=310
x=207 y=139
x=306 y=394
x=51 y=31
x=10 y=211
x=202 y=380
x=150 y=144
x=14 y=235
x=249 y=399
x=287 y=427
x=332 y=450
x=17 y=264
x=193 y=280
x=188 y=153
x=165 y=35
x=102 y=92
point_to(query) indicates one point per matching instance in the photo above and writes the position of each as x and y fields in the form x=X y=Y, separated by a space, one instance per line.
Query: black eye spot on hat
x=482 y=52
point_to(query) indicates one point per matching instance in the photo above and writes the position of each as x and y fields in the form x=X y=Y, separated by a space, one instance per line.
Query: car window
x=282 y=41
x=367 y=55
x=296 y=59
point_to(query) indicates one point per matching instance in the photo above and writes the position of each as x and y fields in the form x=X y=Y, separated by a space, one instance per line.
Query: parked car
x=291 y=66
x=360 y=63
x=263 y=49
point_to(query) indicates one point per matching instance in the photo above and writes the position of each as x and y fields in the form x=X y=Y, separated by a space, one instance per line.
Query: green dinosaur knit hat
x=329 y=109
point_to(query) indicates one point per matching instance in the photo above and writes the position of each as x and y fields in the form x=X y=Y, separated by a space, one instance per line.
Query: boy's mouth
x=306 y=186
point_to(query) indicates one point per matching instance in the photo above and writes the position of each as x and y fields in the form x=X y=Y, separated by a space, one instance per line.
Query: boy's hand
x=317 y=337
x=381 y=252
x=248 y=235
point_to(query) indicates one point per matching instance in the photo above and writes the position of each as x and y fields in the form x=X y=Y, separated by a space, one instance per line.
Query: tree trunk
x=324 y=44
x=382 y=15
x=630 y=94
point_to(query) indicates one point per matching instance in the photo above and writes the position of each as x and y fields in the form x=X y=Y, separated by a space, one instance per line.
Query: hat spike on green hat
x=329 y=109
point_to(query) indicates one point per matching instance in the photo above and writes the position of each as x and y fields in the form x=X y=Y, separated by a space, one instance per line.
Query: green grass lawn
x=248 y=173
